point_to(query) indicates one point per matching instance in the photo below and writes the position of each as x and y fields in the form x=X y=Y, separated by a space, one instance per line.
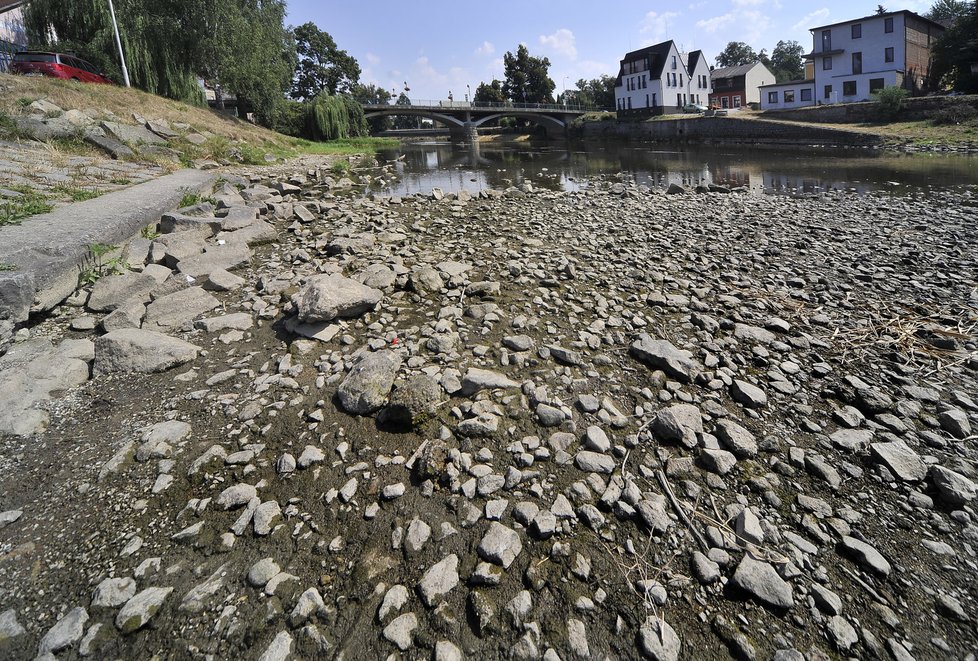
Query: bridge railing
x=485 y=105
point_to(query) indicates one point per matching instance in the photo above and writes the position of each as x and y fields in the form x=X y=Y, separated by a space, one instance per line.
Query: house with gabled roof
x=737 y=87
x=659 y=80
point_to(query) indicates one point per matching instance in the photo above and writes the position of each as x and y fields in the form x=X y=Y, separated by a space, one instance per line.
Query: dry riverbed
x=607 y=424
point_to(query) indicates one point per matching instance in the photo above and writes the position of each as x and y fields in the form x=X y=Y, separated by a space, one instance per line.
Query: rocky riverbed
x=616 y=423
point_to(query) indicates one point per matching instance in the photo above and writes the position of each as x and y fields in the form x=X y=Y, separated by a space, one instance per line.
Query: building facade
x=700 y=86
x=855 y=58
x=657 y=80
x=736 y=87
x=13 y=36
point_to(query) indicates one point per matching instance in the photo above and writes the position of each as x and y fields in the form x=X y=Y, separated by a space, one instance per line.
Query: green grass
x=346 y=147
x=76 y=194
x=15 y=209
x=7 y=267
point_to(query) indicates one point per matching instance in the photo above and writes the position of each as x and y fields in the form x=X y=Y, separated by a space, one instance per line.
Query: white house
x=735 y=87
x=655 y=80
x=698 y=70
x=13 y=36
x=789 y=94
x=855 y=58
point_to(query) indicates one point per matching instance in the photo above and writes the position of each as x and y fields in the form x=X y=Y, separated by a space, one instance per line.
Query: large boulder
x=327 y=297
x=662 y=355
x=366 y=387
x=135 y=350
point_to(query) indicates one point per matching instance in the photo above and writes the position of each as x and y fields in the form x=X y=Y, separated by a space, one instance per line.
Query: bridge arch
x=448 y=120
x=550 y=124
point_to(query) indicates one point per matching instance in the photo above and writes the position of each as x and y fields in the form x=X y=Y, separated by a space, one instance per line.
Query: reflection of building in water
x=738 y=175
x=792 y=183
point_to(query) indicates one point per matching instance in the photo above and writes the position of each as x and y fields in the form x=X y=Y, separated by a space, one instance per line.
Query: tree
x=954 y=52
x=596 y=93
x=373 y=95
x=322 y=66
x=527 y=77
x=735 y=54
x=406 y=121
x=950 y=11
x=491 y=93
x=786 y=61
x=880 y=10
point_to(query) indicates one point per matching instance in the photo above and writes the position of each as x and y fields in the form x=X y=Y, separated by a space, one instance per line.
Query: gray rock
x=841 y=633
x=113 y=592
x=9 y=626
x=720 y=462
x=265 y=517
x=401 y=631
x=447 y=651
x=577 y=639
x=903 y=462
x=852 y=440
x=596 y=439
x=865 y=554
x=140 y=609
x=679 y=423
x=132 y=350
x=10 y=516
x=594 y=462
x=328 y=297
x=500 y=545
x=827 y=601
x=198 y=597
x=440 y=579
x=952 y=487
x=705 y=570
x=737 y=439
x=262 y=572
x=66 y=632
x=476 y=379
x=393 y=602
x=237 y=495
x=412 y=403
x=955 y=422
x=658 y=641
x=177 y=309
x=366 y=387
x=662 y=355
x=761 y=581
x=112 y=291
x=309 y=603
x=754 y=334
x=280 y=649
x=748 y=394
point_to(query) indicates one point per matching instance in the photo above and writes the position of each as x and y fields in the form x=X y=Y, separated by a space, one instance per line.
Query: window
x=849 y=88
x=888 y=54
x=888 y=25
x=857 y=63
x=680 y=80
x=857 y=31
x=629 y=103
x=826 y=40
x=828 y=92
x=806 y=95
x=737 y=101
x=789 y=96
x=772 y=97
x=875 y=85
x=826 y=64
x=724 y=102
x=679 y=100
x=645 y=83
x=653 y=98
x=674 y=62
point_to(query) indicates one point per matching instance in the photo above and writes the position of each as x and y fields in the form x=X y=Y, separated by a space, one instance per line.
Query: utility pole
x=118 y=43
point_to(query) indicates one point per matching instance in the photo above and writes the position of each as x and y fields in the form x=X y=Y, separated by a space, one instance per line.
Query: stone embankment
x=608 y=424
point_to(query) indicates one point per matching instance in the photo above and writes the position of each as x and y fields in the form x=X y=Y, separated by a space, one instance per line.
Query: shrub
x=959 y=113
x=889 y=102
x=334 y=118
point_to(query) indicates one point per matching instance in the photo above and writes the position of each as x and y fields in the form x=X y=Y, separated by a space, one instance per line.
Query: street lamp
x=118 y=43
x=564 y=95
x=469 y=95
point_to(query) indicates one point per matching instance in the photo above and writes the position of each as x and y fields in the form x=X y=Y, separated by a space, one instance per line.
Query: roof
x=878 y=16
x=7 y=5
x=693 y=59
x=658 y=53
x=733 y=72
x=787 y=83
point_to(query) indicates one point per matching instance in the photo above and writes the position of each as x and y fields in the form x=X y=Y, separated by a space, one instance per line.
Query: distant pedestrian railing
x=485 y=105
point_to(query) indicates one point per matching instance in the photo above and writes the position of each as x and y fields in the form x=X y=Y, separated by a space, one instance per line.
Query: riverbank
x=529 y=420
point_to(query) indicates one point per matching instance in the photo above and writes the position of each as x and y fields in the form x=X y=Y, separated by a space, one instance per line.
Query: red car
x=56 y=65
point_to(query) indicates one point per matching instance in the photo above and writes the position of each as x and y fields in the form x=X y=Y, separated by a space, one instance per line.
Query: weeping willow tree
x=241 y=46
x=335 y=117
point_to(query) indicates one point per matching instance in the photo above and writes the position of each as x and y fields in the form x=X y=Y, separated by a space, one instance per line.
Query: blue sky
x=440 y=46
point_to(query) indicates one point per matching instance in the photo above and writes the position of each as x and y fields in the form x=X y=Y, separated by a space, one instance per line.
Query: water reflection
x=568 y=166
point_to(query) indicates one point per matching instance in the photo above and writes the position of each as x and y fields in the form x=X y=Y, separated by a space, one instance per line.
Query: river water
x=423 y=165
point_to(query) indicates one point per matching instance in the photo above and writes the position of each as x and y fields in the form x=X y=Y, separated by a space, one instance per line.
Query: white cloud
x=812 y=19
x=716 y=23
x=372 y=59
x=656 y=25
x=485 y=49
x=561 y=42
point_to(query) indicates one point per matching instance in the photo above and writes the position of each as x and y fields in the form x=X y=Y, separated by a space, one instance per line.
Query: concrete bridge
x=463 y=118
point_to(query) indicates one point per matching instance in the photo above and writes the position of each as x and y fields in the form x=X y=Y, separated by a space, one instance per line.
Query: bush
x=289 y=118
x=889 y=102
x=959 y=113
x=334 y=118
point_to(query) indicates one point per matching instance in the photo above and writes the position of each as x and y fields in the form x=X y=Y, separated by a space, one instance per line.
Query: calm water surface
x=568 y=166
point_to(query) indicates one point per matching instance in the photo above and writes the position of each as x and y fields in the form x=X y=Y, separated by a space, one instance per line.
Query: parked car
x=694 y=107
x=56 y=65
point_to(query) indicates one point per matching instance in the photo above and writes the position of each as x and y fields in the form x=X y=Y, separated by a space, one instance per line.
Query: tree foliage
x=786 y=61
x=954 y=52
x=596 y=93
x=735 y=54
x=950 y=11
x=334 y=118
x=406 y=121
x=489 y=93
x=322 y=66
x=373 y=95
x=241 y=45
x=527 y=78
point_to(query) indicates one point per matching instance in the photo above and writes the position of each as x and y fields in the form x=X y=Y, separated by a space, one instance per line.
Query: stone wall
x=845 y=113
x=728 y=130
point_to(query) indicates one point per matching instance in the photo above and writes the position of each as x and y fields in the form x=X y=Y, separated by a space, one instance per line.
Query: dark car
x=56 y=65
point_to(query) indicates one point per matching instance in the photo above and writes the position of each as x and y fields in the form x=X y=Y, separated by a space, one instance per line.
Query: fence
x=486 y=105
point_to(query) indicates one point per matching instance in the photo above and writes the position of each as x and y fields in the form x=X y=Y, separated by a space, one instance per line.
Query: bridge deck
x=483 y=106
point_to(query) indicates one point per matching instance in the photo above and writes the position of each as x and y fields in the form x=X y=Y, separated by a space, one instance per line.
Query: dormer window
x=674 y=65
